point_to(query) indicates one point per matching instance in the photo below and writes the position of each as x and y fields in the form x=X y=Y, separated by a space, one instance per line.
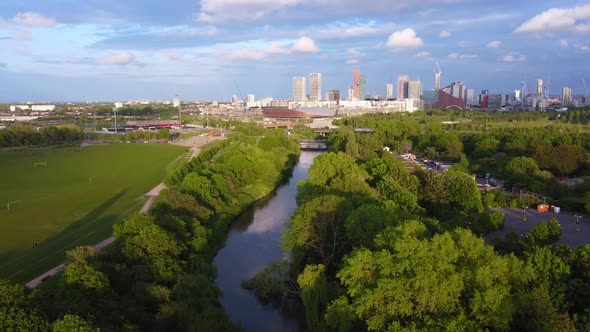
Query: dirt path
x=195 y=143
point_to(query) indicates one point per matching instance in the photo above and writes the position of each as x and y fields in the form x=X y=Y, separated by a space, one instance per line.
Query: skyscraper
x=402 y=86
x=414 y=90
x=362 y=89
x=315 y=86
x=299 y=89
x=437 y=81
x=176 y=101
x=334 y=95
x=356 y=79
x=250 y=98
x=457 y=90
x=389 y=91
x=566 y=96
x=539 y=86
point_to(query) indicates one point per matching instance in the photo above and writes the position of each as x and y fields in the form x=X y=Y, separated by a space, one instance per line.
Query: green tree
x=461 y=191
x=314 y=294
x=73 y=323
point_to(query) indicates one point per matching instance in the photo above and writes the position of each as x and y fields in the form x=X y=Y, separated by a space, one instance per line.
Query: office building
x=362 y=93
x=469 y=98
x=436 y=81
x=315 y=86
x=539 y=87
x=250 y=99
x=566 y=96
x=356 y=80
x=457 y=90
x=176 y=101
x=334 y=95
x=517 y=95
x=402 y=86
x=389 y=91
x=414 y=89
x=299 y=93
x=446 y=100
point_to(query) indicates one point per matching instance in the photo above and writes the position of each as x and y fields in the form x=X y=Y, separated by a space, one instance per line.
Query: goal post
x=40 y=164
x=9 y=204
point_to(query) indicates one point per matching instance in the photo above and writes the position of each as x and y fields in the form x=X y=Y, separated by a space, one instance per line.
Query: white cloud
x=213 y=11
x=189 y=32
x=494 y=44
x=405 y=38
x=564 y=43
x=352 y=61
x=356 y=53
x=423 y=54
x=302 y=45
x=122 y=58
x=463 y=44
x=513 y=57
x=21 y=35
x=342 y=30
x=305 y=45
x=582 y=47
x=445 y=34
x=174 y=55
x=558 y=20
x=462 y=56
x=33 y=19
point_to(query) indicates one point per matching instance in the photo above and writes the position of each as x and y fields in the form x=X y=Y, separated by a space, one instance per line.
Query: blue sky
x=210 y=49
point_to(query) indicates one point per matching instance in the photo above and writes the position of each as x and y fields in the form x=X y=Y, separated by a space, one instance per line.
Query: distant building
x=351 y=96
x=430 y=99
x=315 y=86
x=389 y=91
x=448 y=101
x=299 y=89
x=118 y=104
x=362 y=87
x=356 y=81
x=402 y=86
x=539 y=86
x=469 y=98
x=494 y=102
x=517 y=95
x=334 y=95
x=250 y=99
x=33 y=108
x=457 y=89
x=414 y=89
x=234 y=99
x=176 y=101
x=566 y=96
x=483 y=99
x=437 y=81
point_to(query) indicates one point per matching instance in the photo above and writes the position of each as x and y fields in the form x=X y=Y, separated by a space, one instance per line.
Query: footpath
x=195 y=144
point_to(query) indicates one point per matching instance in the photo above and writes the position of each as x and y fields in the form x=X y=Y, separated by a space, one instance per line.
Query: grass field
x=73 y=200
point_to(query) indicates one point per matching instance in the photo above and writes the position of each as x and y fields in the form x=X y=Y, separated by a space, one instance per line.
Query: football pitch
x=56 y=199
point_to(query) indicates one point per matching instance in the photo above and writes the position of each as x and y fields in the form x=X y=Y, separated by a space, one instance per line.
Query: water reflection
x=253 y=243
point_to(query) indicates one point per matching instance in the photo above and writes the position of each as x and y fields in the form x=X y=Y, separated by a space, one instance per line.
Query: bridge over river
x=313 y=145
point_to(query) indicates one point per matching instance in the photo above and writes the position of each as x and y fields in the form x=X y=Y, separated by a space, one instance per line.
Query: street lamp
x=577 y=222
x=524 y=213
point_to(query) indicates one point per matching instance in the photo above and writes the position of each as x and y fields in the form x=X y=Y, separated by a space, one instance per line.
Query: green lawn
x=72 y=201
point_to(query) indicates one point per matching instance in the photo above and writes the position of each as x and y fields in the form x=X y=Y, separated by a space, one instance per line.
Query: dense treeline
x=377 y=247
x=158 y=275
x=525 y=149
x=26 y=135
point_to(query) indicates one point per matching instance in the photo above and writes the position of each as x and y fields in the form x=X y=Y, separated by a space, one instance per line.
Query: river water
x=253 y=243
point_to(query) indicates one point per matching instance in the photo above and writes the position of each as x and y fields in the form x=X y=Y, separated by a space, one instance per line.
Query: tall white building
x=402 y=86
x=389 y=91
x=250 y=98
x=414 y=90
x=437 y=81
x=539 y=86
x=470 y=98
x=457 y=89
x=315 y=86
x=299 y=93
x=517 y=95
x=176 y=101
x=566 y=96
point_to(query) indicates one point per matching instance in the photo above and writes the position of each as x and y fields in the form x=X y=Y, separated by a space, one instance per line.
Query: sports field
x=64 y=197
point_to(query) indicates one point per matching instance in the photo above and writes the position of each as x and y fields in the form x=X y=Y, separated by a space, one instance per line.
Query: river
x=253 y=243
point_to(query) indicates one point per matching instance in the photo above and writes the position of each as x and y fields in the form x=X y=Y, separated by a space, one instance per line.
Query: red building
x=447 y=101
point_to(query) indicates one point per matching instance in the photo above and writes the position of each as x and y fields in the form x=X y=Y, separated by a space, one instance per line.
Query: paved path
x=152 y=195
x=570 y=236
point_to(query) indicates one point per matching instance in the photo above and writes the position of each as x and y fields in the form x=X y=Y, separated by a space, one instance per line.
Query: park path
x=195 y=143
x=152 y=195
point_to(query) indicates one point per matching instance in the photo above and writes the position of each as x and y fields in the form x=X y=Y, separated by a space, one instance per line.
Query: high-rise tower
x=362 y=92
x=539 y=86
x=299 y=89
x=356 y=80
x=402 y=86
x=315 y=86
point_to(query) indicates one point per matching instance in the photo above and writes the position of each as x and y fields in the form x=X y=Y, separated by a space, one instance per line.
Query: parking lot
x=570 y=235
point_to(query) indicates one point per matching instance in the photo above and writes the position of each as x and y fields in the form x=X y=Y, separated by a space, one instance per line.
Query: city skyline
x=203 y=50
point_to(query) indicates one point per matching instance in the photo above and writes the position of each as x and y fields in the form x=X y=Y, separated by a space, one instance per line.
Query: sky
x=113 y=50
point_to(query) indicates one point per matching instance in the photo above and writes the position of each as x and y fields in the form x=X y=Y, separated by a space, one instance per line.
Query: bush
x=554 y=230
